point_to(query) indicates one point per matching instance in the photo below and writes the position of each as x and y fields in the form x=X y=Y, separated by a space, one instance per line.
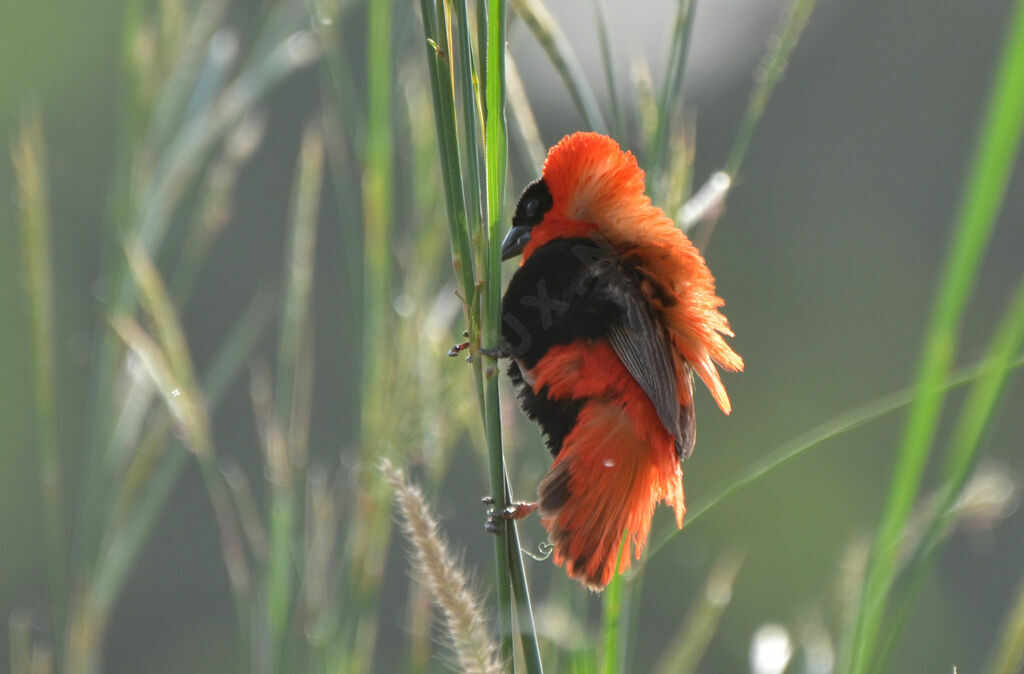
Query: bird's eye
x=531 y=206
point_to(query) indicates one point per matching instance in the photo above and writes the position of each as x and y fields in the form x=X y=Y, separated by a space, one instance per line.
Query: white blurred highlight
x=770 y=650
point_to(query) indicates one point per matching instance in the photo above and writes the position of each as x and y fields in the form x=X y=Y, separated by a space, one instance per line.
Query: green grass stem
x=369 y=535
x=147 y=211
x=124 y=539
x=984 y=190
x=169 y=357
x=440 y=71
x=472 y=116
x=615 y=621
x=495 y=158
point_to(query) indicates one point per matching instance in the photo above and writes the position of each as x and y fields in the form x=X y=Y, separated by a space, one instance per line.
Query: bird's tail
x=614 y=466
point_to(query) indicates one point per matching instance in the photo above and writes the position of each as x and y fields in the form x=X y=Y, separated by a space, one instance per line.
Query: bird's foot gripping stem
x=498 y=352
x=493 y=353
x=513 y=511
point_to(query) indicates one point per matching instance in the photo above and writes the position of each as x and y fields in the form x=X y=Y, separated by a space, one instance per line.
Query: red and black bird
x=607 y=319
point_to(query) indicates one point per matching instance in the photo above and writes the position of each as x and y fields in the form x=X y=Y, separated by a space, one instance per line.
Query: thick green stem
x=496 y=150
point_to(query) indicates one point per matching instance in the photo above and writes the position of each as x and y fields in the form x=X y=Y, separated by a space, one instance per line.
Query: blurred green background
x=828 y=256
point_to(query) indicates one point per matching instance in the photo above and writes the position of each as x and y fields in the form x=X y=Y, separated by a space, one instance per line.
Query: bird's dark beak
x=514 y=242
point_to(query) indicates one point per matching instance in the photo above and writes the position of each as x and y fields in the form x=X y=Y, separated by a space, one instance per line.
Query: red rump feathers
x=611 y=310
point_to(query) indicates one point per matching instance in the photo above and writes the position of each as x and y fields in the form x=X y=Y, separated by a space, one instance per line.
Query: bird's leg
x=513 y=511
x=499 y=352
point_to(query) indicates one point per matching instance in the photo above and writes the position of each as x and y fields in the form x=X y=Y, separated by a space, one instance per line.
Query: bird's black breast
x=562 y=293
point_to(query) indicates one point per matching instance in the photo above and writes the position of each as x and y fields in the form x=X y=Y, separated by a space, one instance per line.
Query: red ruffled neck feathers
x=598 y=192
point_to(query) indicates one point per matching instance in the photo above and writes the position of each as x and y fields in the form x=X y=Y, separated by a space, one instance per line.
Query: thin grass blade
x=29 y=159
x=125 y=539
x=769 y=73
x=495 y=148
x=556 y=45
x=688 y=646
x=608 y=63
x=522 y=115
x=1009 y=653
x=286 y=453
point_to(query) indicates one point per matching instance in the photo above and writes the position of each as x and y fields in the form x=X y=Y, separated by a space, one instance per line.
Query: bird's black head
x=534 y=203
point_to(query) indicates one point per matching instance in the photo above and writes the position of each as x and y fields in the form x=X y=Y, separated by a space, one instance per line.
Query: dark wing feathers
x=642 y=346
x=572 y=289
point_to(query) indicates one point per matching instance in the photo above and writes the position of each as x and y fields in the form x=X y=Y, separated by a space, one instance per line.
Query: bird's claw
x=498 y=352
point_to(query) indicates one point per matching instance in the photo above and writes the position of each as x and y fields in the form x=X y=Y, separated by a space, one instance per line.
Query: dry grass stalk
x=439 y=571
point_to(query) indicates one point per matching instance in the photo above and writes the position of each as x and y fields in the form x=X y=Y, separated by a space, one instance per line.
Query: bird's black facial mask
x=534 y=203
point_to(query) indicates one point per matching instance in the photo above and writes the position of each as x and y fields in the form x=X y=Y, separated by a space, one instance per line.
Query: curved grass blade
x=965 y=442
x=123 y=540
x=832 y=428
x=769 y=73
x=984 y=191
